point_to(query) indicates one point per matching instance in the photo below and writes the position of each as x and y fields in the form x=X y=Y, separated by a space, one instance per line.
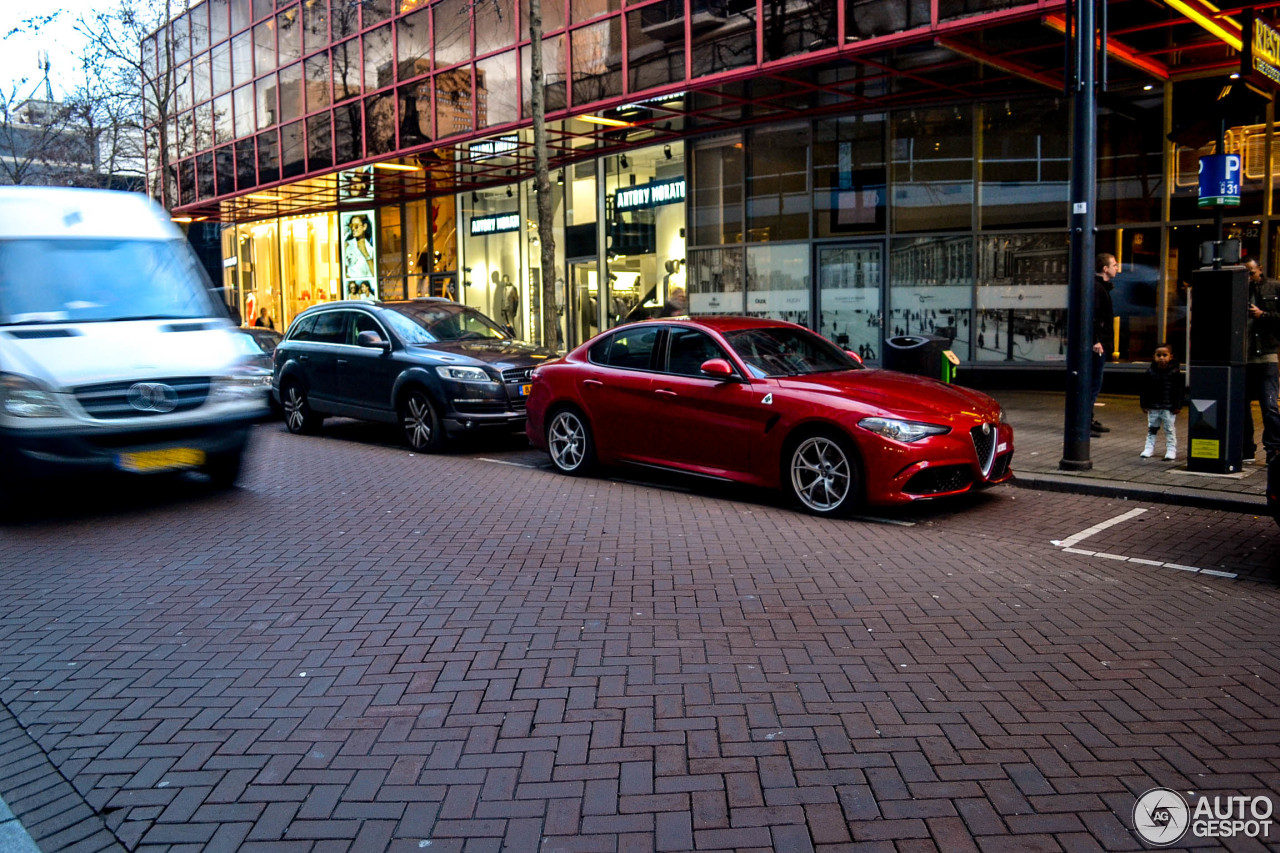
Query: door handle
x=304 y=358
x=342 y=361
x=666 y=392
x=593 y=382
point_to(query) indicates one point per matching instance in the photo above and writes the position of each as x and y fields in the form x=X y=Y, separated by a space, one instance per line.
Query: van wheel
x=822 y=473
x=420 y=422
x=223 y=469
x=299 y=417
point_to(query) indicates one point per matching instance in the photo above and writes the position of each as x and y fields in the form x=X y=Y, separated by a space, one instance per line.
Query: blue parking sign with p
x=1220 y=180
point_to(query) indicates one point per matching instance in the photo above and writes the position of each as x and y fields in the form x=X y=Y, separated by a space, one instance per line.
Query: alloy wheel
x=567 y=441
x=821 y=474
x=419 y=421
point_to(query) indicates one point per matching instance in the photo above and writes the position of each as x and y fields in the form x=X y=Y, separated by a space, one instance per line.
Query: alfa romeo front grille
x=984 y=441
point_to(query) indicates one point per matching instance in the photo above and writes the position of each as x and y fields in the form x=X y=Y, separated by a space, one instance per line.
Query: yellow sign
x=1205 y=448
x=1260 y=58
x=169 y=459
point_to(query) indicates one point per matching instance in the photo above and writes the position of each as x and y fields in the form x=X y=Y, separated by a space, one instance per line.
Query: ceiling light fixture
x=397 y=167
x=666 y=151
x=607 y=122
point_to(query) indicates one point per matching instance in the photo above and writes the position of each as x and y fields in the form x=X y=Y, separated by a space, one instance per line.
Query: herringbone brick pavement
x=365 y=649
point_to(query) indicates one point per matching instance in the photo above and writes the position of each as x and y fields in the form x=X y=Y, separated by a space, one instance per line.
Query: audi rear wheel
x=299 y=417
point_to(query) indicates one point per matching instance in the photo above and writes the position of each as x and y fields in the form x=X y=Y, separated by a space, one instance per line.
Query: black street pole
x=1084 y=196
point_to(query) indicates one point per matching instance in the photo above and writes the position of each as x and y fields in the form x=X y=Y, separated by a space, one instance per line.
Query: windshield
x=782 y=351
x=77 y=281
x=434 y=322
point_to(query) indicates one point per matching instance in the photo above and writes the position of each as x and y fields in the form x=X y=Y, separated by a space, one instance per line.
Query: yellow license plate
x=526 y=389
x=170 y=459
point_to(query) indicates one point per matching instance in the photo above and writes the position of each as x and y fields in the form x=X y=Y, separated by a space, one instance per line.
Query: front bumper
x=75 y=450
x=936 y=467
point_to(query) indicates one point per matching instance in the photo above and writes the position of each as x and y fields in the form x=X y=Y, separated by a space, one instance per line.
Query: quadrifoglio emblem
x=1162 y=817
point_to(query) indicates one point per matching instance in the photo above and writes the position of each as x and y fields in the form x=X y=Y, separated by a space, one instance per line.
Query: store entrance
x=850 y=284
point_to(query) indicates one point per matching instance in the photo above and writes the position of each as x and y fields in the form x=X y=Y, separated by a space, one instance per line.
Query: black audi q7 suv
x=433 y=366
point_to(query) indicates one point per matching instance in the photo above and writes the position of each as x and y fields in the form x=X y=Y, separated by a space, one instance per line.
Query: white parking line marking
x=505 y=462
x=1098 y=528
x=1066 y=546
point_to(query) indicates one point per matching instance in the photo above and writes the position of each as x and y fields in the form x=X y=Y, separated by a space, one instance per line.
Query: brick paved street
x=365 y=649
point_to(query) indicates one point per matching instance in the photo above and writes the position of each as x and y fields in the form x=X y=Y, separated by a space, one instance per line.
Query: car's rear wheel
x=570 y=443
x=420 y=422
x=822 y=472
x=299 y=417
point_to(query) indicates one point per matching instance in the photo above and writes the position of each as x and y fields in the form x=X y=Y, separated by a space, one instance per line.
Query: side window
x=331 y=327
x=629 y=348
x=688 y=349
x=366 y=323
x=304 y=329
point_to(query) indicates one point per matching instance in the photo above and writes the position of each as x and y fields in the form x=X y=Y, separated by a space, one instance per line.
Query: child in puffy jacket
x=1161 y=399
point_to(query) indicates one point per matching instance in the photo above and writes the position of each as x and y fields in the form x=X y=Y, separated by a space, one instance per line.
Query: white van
x=114 y=353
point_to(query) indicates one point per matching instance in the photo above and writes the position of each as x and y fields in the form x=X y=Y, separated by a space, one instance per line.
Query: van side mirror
x=373 y=340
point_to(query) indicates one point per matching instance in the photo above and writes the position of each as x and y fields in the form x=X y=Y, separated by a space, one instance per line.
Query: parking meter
x=1216 y=366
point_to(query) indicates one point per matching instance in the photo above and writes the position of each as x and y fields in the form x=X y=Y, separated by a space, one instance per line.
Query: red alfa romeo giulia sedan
x=769 y=404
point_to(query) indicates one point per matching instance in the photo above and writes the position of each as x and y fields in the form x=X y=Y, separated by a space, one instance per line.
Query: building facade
x=863 y=167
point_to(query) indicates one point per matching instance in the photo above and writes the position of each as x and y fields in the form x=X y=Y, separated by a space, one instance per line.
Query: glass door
x=584 y=294
x=850 y=282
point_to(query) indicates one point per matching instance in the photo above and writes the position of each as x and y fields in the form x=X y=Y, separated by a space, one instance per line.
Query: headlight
x=905 y=431
x=464 y=374
x=240 y=385
x=25 y=398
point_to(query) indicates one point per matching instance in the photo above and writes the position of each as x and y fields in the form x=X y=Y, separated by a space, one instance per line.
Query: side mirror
x=373 y=340
x=718 y=367
x=853 y=355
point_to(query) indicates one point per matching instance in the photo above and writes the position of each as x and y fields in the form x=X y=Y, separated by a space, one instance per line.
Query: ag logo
x=1161 y=816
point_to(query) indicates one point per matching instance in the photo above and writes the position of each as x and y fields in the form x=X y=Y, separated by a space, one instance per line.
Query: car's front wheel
x=569 y=441
x=223 y=469
x=822 y=472
x=299 y=417
x=420 y=422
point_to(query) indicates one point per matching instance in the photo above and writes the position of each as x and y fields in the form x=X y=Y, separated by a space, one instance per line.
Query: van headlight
x=464 y=374
x=24 y=397
x=240 y=385
x=905 y=431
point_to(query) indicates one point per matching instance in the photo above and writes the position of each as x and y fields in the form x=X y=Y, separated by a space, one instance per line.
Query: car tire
x=570 y=443
x=420 y=422
x=223 y=469
x=299 y=417
x=822 y=472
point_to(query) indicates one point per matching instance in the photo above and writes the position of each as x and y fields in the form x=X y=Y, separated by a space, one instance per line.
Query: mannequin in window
x=509 y=301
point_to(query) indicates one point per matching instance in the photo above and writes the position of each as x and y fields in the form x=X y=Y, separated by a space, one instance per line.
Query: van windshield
x=85 y=281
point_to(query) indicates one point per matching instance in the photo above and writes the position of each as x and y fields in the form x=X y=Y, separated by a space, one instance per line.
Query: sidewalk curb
x=1199 y=498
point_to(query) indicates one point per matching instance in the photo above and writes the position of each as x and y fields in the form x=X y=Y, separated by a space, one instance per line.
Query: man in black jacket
x=1261 y=379
x=1103 y=322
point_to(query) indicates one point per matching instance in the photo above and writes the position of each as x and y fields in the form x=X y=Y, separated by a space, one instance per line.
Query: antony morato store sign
x=651 y=194
x=499 y=224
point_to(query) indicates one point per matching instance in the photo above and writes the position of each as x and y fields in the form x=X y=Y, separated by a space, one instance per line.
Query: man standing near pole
x=1103 y=321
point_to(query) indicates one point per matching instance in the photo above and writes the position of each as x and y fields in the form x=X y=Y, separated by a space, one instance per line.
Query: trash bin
x=922 y=355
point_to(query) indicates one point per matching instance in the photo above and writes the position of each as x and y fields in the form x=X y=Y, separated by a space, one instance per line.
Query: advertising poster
x=356 y=184
x=359 y=254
